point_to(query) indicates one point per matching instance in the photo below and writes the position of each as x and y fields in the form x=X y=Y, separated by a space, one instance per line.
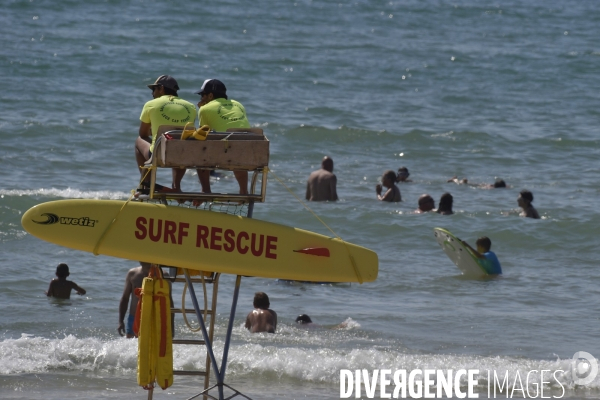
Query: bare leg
x=204 y=176
x=242 y=178
x=178 y=174
x=142 y=152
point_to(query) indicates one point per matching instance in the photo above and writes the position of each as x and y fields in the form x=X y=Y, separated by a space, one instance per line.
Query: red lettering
x=271 y=245
x=215 y=235
x=242 y=250
x=202 y=235
x=140 y=223
x=170 y=229
x=183 y=227
x=257 y=252
x=155 y=237
x=229 y=236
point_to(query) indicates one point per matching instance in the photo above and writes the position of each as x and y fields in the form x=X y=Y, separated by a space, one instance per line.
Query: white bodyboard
x=458 y=253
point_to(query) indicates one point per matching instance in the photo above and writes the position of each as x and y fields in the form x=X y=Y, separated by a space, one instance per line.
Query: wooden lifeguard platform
x=237 y=149
x=234 y=150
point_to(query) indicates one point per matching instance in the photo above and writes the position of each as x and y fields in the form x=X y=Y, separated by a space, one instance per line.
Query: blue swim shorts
x=129 y=328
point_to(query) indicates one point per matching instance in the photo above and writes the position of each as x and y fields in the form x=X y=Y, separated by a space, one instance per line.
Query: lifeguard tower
x=234 y=150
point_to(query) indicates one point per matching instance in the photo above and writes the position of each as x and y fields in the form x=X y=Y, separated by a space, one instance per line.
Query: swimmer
x=489 y=260
x=455 y=179
x=60 y=287
x=322 y=183
x=403 y=175
x=305 y=321
x=498 y=183
x=262 y=318
x=388 y=180
x=445 y=205
x=426 y=204
x=524 y=201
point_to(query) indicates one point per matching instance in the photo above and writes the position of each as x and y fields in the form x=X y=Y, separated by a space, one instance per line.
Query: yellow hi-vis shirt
x=167 y=110
x=221 y=114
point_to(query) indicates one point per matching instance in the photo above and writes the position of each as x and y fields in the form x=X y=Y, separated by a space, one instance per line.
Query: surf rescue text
x=208 y=237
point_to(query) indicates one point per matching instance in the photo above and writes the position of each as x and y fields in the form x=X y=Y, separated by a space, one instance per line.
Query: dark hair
x=170 y=91
x=425 y=198
x=527 y=195
x=261 y=300
x=499 y=183
x=303 y=319
x=390 y=175
x=62 y=270
x=446 y=202
x=327 y=164
x=484 y=242
x=403 y=170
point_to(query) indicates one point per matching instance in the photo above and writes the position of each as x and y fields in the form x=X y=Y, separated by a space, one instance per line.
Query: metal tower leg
x=219 y=373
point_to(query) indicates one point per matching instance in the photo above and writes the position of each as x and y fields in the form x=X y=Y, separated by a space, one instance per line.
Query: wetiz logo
x=53 y=219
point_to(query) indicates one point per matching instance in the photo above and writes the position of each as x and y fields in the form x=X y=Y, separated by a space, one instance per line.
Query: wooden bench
x=231 y=150
x=238 y=149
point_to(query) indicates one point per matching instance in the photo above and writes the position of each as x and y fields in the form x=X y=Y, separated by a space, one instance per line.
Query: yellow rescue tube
x=146 y=372
x=155 y=346
x=162 y=332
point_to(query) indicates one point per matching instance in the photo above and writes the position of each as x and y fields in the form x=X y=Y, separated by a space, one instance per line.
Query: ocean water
x=473 y=89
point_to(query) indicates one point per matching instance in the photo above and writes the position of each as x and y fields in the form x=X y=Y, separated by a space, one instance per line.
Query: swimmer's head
x=484 y=243
x=525 y=198
x=62 y=270
x=303 y=319
x=388 y=178
x=499 y=183
x=446 y=201
x=261 y=300
x=426 y=202
x=327 y=164
x=403 y=174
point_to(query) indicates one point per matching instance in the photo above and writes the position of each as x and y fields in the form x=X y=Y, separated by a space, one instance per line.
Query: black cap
x=167 y=81
x=212 y=86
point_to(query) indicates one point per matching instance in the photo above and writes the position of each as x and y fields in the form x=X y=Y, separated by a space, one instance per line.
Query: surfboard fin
x=315 y=251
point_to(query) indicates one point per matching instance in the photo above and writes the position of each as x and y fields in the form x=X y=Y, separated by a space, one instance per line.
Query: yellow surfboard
x=199 y=240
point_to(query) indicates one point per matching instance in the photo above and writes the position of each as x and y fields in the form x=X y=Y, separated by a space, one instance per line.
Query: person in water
x=303 y=319
x=524 y=201
x=306 y=322
x=498 y=183
x=322 y=183
x=489 y=260
x=445 y=205
x=426 y=204
x=392 y=194
x=60 y=287
x=455 y=179
x=262 y=318
x=133 y=280
x=403 y=175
